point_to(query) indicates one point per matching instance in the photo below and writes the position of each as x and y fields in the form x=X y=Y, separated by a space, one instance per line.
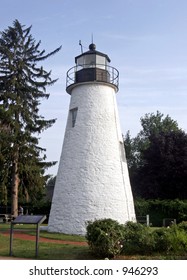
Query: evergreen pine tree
x=22 y=87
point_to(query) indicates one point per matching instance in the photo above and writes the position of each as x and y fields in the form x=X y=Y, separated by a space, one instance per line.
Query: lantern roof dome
x=92 y=50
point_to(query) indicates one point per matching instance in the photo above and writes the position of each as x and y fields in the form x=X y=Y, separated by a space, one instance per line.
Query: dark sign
x=29 y=219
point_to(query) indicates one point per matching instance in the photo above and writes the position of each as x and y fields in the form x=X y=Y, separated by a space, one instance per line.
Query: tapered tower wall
x=92 y=180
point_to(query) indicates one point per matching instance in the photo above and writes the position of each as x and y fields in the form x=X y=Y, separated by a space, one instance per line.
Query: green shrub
x=171 y=240
x=138 y=239
x=183 y=225
x=105 y=238
x=178 y=240
x=162 y=242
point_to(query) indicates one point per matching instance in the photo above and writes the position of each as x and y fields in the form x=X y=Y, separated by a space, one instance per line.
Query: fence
x=143 y=220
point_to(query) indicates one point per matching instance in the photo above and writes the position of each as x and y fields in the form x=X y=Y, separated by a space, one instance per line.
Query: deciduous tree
x=155 y=155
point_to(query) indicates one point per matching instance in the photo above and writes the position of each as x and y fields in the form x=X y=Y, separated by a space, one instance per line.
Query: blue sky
x=146 y=41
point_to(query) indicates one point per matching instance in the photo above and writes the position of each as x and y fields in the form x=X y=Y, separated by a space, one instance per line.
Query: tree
x=22 y=87
x=164 y=172
x=5 y=159
x=153 y=125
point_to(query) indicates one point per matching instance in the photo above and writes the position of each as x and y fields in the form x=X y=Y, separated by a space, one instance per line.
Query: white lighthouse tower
x=92 y=181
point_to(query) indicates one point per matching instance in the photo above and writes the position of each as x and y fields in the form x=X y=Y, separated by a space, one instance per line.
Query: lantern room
x=92 y=66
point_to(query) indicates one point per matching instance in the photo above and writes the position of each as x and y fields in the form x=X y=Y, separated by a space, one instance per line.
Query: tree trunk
x=15 y=185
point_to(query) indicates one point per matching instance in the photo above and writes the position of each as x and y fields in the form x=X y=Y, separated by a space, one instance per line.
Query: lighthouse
x=92 y=180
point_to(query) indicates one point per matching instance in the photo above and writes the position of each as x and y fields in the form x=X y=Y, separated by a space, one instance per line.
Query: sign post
x=27 y=219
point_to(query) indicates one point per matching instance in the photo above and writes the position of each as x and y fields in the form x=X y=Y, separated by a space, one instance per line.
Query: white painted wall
x=92 y=180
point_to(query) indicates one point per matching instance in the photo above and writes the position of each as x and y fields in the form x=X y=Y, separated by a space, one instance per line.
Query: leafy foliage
x=165 y=166
x=136 y=239
x=160 y=209
x=183 y=226
x=161 y=240
x=157 y=159
x=105 y=238
x=142 y=240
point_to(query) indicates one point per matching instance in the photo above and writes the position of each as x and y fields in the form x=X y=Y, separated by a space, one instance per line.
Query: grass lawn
x=47 y=251
x=51 y=251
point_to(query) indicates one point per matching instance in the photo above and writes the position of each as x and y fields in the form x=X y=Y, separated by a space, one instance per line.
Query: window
x=122 y=151
x=101 y=62
x=73 y=113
